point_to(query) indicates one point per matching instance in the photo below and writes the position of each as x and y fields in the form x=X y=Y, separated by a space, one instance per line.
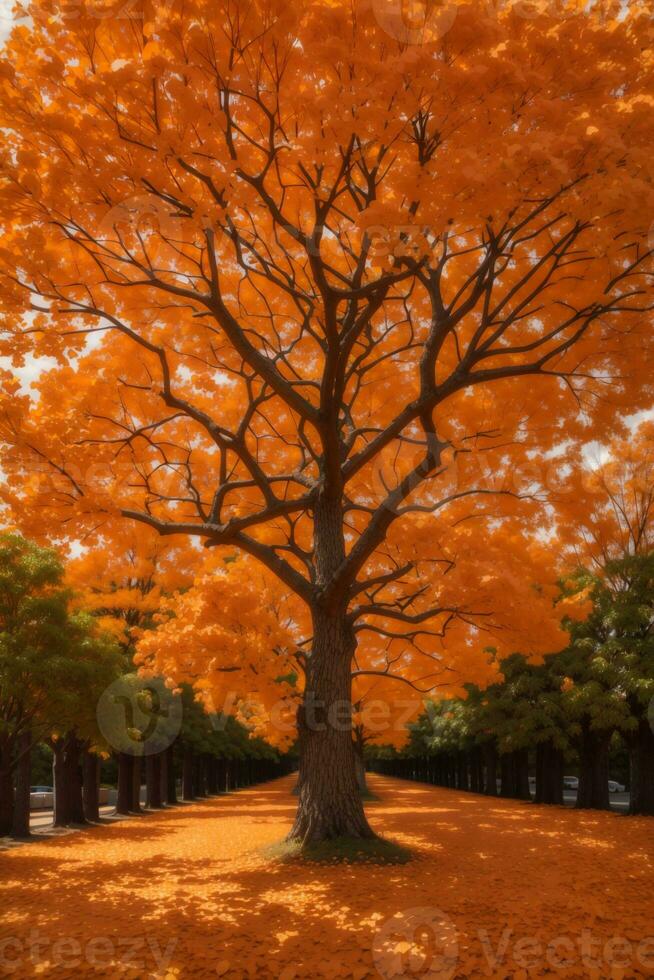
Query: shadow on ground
x=501 y=889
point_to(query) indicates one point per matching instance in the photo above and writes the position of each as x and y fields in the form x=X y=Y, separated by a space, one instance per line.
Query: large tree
x=299 y=277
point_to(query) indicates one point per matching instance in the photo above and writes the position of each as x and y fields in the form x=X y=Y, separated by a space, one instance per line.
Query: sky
x=5 y=18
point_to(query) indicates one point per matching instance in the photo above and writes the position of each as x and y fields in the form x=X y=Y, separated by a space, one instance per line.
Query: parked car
x=41 y=797
x=570 y=782
x=616 y=787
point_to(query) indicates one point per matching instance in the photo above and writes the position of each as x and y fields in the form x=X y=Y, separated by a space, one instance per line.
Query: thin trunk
x=462 y=771
x=641 y=765
x=153 y=781
x=508 y=775
x=360 y=764
x=171 y=786
x=137 y=779
x=212 y=775
x=74 y=770
x=6 y=788
x=187 y=773
x=163 y=776
x=21 y=816
x=125 y=782
x=490 y=767
x=62 y=804
x=329 y=802
x=91 y=786
x=522 y=774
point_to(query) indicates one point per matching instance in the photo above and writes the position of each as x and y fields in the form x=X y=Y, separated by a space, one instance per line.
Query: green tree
x=610 y=664
x=51 y=666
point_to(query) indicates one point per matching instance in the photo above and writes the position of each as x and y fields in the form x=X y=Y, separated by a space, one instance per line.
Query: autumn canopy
x=330 y=299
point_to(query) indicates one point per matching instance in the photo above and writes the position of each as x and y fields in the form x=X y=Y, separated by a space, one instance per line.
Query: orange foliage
x=324 y=294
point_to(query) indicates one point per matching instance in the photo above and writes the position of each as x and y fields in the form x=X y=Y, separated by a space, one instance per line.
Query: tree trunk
x=490 y=766
x=188 y=765
x=6 y=789
x=163 y=777
x=153 y=781
x=62 y=804
x=125 y=782
x=522 y=774
x=171 y=786
x=212 y=776
x=549 y=774
x=329 y=802
x=593 y=769
x=641 y=766
x=462 y=771
x=360 y=764
x=21 y=816
x=91 y=786
x=199 y=788
x=137 y=779
x=74 y=768
x=508 y=781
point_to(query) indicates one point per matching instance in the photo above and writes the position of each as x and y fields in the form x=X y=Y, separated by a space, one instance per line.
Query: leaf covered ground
x=495 y=888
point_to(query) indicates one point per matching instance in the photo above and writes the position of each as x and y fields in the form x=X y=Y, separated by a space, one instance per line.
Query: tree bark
x=91 y=786
x=6 y=788
x=153 y=781
x=593 y=791
x=360 y=764
x=212 y=776
x=74 y=768
x=462 y=781
x=67 y=780
x=329 y=801
x=125 y=782
x=171 y=785
x=21 y=816
x=62 y=812
x=490 y=769
x=508 y=783
x=137 y=779
x=641 y=766
x=549 y=774
x=163 y=777
x=187 y=773
x=522 y=774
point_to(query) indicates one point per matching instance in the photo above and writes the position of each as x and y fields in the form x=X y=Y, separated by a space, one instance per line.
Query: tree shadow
x=191 y=889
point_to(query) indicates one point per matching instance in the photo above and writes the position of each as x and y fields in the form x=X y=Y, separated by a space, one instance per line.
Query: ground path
x=497 y=888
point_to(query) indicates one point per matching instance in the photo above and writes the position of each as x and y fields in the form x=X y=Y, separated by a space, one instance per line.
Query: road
x=41 y=819
x=619 y=801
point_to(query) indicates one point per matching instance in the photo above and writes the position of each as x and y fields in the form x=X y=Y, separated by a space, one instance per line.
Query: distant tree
x=610 y=666
x=52 y=666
